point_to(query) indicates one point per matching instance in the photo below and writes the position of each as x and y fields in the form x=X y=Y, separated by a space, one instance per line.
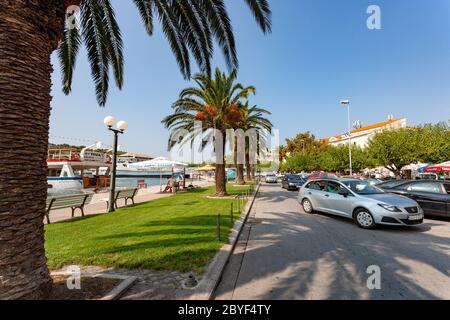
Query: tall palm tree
x=29 y=33
x=237 y=162
x=254 y=118
x=214 y=102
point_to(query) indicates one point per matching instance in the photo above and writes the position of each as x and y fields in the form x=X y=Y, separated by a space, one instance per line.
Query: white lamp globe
x=109 y=121
x=122 y=125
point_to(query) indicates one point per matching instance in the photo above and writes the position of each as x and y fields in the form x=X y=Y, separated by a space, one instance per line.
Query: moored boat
x=70 y=169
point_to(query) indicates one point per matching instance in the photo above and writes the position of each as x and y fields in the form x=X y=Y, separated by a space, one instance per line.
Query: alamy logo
x=74 y=279
x=72 y=14
x=374 y=280
x=374 y=20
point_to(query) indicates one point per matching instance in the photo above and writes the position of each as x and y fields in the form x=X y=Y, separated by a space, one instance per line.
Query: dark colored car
x=292 y=182
x=433 y=196
x=391 y=184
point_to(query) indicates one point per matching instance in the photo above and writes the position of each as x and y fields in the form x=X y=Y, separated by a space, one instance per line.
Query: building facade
x=362 y=134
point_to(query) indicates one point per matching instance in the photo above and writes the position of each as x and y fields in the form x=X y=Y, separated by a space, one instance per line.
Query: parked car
x=271 y=178
x=292 y=182
x=372 y=181
x=390 y=184
x=432 y=195
x=427 y=176
x=356 y=199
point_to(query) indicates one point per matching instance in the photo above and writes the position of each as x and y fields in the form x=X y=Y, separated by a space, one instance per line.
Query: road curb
x=210 y=281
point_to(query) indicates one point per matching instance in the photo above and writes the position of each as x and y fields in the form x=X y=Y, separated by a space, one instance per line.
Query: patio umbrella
x=159 y=164
x=443 y=167
x=206 y=168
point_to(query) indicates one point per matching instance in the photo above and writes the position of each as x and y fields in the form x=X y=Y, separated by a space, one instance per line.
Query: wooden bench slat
x=71 y=201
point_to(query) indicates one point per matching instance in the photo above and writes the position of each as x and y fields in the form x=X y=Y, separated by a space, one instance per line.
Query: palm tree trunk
x=248 y=166
x=221 y=181
x=29 y=33
x=239 y=167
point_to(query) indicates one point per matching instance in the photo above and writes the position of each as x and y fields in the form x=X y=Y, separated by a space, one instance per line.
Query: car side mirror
x=344 y=193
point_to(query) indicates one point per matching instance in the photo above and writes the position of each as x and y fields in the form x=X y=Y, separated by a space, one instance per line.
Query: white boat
x=70 y=169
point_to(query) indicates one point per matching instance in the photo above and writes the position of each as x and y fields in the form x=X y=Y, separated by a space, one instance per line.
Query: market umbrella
x=206 y=168
x=443 y=167
x=159 y=164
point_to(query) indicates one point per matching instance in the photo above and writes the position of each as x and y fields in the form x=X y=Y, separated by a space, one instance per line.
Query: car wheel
x=307 y=206
x=364 y=219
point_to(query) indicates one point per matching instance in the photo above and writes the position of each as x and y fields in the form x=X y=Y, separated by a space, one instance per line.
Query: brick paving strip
x=144 y=284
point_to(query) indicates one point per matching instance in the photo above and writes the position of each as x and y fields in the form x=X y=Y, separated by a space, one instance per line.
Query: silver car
x=271 y=178
x=367 y=205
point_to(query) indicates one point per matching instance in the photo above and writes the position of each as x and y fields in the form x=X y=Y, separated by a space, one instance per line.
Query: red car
x=323 y=175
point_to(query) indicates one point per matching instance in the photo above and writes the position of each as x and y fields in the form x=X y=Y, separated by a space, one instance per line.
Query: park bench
x=72 y=201
x=126 y=194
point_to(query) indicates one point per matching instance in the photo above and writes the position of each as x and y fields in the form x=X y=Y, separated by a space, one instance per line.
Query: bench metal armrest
x=50 y=205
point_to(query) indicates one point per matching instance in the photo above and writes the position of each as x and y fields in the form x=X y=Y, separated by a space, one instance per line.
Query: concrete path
x=98 y=205
x=293 y=255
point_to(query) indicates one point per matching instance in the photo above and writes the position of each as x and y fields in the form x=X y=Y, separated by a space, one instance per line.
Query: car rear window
x=430 y=187
x=391 y=184
x=447 y=187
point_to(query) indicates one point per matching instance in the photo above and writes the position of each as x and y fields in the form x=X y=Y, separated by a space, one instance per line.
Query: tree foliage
x=190 y=26
x=392 y=149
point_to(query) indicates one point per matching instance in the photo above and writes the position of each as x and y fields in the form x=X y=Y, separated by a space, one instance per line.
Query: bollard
x=231 y=214
x=218 y=227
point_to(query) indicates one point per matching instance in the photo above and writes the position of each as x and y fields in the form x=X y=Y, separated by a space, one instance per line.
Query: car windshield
x=362 y=187
x=391 y=184
x=296 y=178
x=328 y=176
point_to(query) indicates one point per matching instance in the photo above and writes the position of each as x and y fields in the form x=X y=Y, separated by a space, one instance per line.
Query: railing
x=63 y=155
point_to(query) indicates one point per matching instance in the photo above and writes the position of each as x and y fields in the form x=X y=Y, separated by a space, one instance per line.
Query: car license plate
x=416 y=217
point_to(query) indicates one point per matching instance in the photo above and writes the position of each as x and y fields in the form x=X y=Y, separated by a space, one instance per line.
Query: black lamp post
x=121 y=127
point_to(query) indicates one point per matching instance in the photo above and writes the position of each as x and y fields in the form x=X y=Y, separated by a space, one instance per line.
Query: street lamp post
x=121 y=127
x=347 y=103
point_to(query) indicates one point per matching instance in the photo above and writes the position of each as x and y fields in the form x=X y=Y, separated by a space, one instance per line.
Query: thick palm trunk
x=239 y=167
x=221 y=181
x=249 y=172
x=248 y=166
x=29 y=32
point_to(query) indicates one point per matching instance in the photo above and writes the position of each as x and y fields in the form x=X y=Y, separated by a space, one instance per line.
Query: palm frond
x=263 y=15
x=67 y=54
x=94 y=34
x=145 y=8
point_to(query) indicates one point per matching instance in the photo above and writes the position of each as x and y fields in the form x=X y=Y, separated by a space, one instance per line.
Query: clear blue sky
x=320 y=51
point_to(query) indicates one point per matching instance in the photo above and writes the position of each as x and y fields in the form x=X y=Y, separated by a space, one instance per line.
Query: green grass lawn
x=174 y=233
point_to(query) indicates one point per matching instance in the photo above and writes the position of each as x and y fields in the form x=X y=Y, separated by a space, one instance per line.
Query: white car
x=271 y=178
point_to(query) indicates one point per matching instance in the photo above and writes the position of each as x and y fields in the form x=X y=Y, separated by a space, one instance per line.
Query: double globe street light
x=120 y=129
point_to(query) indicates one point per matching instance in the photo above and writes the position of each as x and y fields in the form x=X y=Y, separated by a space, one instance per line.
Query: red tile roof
x=362 y=129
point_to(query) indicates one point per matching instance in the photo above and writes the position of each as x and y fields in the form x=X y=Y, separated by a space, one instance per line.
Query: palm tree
x=254 y=118
x=29 y=33
x=215 y=102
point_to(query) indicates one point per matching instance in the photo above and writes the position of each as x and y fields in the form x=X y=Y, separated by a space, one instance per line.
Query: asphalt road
x=292 y=255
